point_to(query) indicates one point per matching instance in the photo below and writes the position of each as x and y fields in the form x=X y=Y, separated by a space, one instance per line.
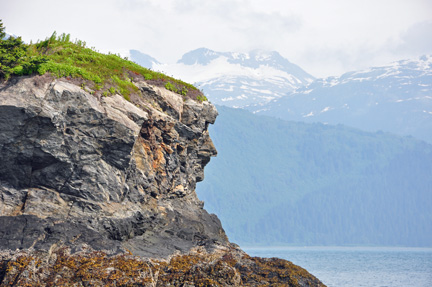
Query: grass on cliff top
x=103 y=74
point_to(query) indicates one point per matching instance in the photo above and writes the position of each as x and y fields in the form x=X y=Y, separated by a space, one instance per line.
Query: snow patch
x=326 y=109
x=330 y=82
x=259 y=111
x=227 y=99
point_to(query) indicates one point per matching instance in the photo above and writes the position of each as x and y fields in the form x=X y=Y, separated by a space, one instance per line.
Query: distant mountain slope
x=279 y=182
x=237 y=79
x=395 y=98
x=143 y=59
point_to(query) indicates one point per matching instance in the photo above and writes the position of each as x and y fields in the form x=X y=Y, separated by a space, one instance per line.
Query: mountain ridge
x=395 y=98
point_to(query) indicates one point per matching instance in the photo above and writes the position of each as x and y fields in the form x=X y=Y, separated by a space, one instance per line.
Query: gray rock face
x=76 y=170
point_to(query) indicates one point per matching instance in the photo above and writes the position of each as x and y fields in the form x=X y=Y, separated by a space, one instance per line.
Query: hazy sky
x=323 y=37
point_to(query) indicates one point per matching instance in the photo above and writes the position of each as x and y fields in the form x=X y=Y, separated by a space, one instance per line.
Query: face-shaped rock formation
x=112 y=174
x=80 y=173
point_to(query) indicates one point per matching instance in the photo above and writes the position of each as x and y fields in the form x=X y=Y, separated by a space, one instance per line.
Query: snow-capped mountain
x=236 y=79
x=395 y=98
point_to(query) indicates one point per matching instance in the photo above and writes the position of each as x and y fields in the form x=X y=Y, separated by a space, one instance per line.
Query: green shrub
x=170 y=86
x=148 y=76
x=184 y=91
x=201 y=98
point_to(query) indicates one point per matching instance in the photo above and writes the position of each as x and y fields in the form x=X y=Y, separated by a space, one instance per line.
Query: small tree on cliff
x=14 y=59
x=2 y=30
x=12 y=52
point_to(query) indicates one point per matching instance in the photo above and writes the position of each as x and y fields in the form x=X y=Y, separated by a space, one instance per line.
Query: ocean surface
x=358 y=266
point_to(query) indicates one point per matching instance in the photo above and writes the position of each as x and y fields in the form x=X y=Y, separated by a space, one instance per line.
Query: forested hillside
x=278 y=182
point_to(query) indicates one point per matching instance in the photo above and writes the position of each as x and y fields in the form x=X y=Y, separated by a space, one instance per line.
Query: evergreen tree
x=2 y=31
x=14 y=59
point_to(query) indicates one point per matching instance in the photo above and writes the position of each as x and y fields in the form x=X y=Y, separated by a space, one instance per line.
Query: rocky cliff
x=82 y=174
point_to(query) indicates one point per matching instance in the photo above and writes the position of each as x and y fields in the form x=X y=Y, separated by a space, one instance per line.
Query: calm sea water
x=358 y=266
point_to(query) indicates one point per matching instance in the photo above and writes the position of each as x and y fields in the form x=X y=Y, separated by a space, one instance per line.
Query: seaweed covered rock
x=222 y=267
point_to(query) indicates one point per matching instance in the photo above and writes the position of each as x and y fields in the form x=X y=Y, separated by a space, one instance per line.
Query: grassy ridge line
x=103 y=74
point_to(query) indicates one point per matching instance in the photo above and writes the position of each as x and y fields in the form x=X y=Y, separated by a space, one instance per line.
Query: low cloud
x=417 y=39
x=324 y=38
